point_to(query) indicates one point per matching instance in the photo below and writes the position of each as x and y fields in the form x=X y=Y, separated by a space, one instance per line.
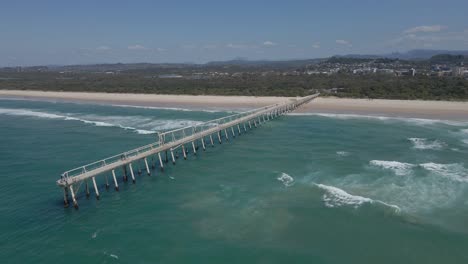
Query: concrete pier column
x=131 y=172
x=107 y=183
x=233 y=134
x=172 y=156
x=263 y=118
x=194 y=149
x=250 y=125
x=226 y=134
x=160 y=161
x=183 y=151
x=87 y=189
x=238 y=129
x=245 y=128
x=95 y=188
x=75 y=203
x=65 y=197
x=219 y=137
x=115 y=181
x=147 y=167
x=124 y=168
x=203 y=143
x=255 y=123
x=211 y=140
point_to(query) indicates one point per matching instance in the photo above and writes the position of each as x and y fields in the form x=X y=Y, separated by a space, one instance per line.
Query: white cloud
x=137 y=47
x=316 y=45
x=343 y=42
x=269 y=43
x=103 y=48
x=425 y=29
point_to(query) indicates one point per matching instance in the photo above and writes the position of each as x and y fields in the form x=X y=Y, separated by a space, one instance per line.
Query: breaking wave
x=454 y=171
x=286 y=179
x=137 y=124
x=424 y=143
x=399 y=168
x=336 y=197
x=415 y=121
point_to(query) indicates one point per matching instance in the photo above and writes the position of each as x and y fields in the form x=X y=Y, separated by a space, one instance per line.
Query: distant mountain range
x=239 y=63
x=417 y=54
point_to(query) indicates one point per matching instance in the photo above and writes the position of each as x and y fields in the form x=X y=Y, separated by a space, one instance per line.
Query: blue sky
x=100 y=31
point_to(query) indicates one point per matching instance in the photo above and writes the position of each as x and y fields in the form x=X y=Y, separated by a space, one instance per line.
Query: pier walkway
x=168 y=143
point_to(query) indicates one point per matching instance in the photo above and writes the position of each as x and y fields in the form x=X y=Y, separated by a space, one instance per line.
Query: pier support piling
x=115 y=181
x=203 y=143
x=147 y=167
x=107 y=183
x=95 y=187
x=194 y=149
x=65 y=197
x=131 y=172
x=124 y=168
x=172 y=156
x=183 y=151
x=75 y=203
x=219 y=137
x=211 y=140
x=233 y=134
x=87 y=189
x=160 y=161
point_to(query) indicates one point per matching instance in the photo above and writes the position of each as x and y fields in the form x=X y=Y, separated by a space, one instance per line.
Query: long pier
x=170 y=141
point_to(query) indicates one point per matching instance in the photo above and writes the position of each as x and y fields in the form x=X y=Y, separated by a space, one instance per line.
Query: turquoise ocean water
x=301 y=189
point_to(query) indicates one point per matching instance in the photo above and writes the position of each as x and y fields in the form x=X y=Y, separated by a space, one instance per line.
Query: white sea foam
x=464 y=131
x=140 y=125
x=114 y=256
x=415 y=121
x=178 y=109
x=94 y=235
x=286 y=179
x=455 y=171
x=342 y=153
x=336 y=197
x=399 y=168
x=424 y=143
x=465 y=141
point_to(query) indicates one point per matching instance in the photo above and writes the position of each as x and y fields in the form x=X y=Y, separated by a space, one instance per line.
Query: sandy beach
x=400 y=108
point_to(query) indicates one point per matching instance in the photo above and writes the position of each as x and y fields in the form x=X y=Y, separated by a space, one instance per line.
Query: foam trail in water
x=415 y=121
x=336 y=197
x=342 y=153
x=179 y=109
x=399 y=168
x=424 y=143
x=286 y=179
x=454 y=172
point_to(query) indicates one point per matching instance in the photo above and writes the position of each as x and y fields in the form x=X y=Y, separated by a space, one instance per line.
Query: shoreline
x=375 y=107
